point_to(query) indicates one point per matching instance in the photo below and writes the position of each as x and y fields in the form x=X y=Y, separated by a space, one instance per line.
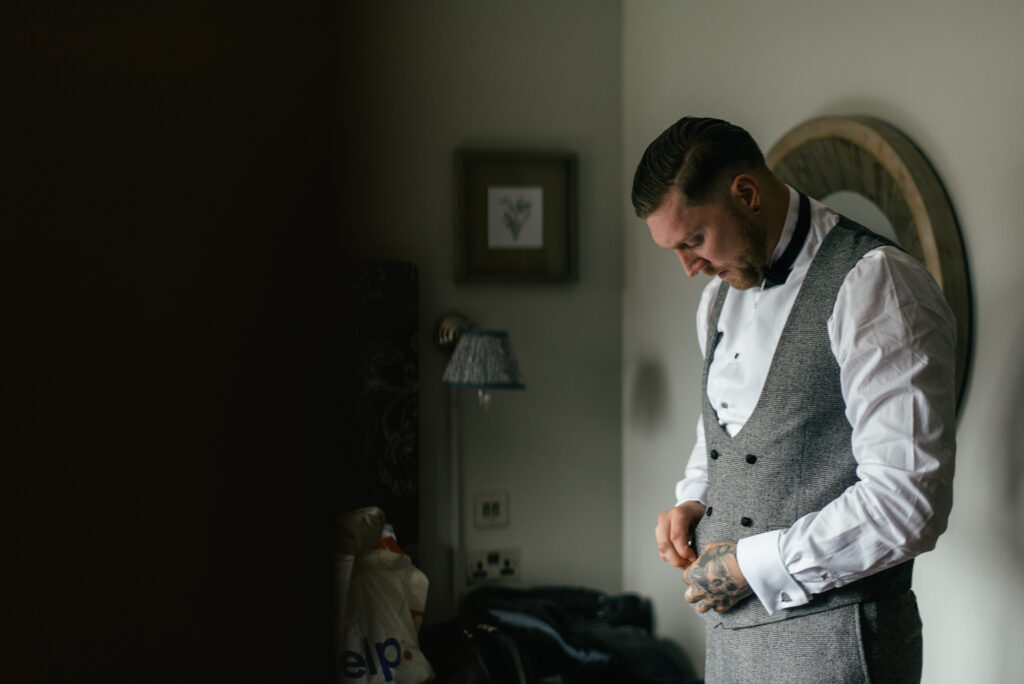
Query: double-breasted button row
x=745 y=521
x=751 y=458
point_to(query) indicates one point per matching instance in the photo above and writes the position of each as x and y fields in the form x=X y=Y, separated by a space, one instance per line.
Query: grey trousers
x=877 y=642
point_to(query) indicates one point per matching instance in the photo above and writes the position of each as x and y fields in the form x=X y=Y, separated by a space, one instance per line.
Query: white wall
x=949 y=75
x=420 y=80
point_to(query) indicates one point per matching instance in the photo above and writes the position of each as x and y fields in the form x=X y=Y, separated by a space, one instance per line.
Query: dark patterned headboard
x=383 y=461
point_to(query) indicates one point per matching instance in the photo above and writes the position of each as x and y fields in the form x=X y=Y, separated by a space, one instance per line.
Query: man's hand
x=675 y=532
x=715 y=579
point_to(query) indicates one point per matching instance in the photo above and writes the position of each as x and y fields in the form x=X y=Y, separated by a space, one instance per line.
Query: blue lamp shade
x=483 y=359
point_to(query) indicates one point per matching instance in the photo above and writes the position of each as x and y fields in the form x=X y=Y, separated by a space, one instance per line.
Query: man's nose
x=692 y=263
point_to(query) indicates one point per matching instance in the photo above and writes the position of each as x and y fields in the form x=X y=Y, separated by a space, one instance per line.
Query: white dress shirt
x=893 y=336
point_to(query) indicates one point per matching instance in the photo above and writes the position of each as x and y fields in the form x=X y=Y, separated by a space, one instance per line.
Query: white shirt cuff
x=690 y=490
x=760 y=562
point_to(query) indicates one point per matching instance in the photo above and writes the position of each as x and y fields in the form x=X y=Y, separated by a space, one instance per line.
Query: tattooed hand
x=715 y=579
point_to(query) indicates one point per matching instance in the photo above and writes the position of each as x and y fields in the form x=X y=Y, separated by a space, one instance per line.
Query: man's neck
x=774 y=208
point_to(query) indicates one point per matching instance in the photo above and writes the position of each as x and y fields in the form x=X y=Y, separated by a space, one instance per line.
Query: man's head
x=700 y=186
x=695 y=156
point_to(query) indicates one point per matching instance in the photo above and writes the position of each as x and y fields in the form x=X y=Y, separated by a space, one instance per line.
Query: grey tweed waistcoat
x=793 y=456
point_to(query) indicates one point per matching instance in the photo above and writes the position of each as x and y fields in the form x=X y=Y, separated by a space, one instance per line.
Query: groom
x=825 y=447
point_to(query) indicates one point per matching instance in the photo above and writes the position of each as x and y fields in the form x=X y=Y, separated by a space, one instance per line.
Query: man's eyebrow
x=687 y=240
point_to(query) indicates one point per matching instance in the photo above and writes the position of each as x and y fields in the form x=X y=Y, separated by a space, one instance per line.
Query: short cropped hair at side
x=692 y=155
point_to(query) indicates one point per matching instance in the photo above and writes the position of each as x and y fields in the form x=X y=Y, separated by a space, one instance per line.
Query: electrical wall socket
x=492 y=565
x=490 y=509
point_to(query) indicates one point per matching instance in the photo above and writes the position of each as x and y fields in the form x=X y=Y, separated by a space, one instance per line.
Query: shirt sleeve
x=694 y=485
x=893 y=336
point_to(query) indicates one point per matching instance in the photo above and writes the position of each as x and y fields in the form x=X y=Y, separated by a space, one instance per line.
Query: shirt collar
x=780 y=268
x=788 y=227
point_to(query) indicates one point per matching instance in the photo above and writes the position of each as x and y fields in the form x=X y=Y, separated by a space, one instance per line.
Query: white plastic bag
x=383 y=596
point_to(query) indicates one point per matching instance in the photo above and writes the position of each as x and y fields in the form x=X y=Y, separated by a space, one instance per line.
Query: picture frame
x=515 y=217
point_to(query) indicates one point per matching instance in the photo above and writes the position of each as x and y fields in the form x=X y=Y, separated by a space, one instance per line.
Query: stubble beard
x=751 y=263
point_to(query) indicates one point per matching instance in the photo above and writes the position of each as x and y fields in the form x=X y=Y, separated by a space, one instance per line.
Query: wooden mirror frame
x=829 y=154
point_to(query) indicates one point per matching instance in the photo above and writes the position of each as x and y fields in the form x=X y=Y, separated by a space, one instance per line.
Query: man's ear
x=747 y=191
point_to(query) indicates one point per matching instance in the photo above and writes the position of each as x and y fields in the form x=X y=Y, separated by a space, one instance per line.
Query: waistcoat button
x=751 y=459
x=710 y=508
x=713 y=454
x=746 y=522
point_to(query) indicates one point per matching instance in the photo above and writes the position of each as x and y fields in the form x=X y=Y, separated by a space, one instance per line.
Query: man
x=824 y=455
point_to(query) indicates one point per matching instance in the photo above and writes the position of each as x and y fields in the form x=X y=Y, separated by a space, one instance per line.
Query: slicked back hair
x=692 y=155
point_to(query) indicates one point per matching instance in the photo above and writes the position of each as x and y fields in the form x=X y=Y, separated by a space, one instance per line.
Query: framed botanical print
x=515 y=218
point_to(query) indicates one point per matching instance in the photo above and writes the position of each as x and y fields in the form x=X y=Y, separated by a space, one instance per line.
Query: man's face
x=715 y=239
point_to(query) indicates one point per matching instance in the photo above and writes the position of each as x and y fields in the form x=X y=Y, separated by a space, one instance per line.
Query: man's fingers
x=673 y=535
x=680 y=538
x=666 y=549
x=669 y=555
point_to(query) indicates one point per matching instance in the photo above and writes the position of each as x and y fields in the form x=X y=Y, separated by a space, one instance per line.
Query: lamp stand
x=457 y=522
x=447 y=330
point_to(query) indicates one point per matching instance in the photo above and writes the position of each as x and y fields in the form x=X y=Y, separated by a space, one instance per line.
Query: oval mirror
x=868 y=168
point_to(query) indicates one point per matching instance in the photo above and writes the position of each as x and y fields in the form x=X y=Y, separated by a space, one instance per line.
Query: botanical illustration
x=514 y=217
x=515 y=213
